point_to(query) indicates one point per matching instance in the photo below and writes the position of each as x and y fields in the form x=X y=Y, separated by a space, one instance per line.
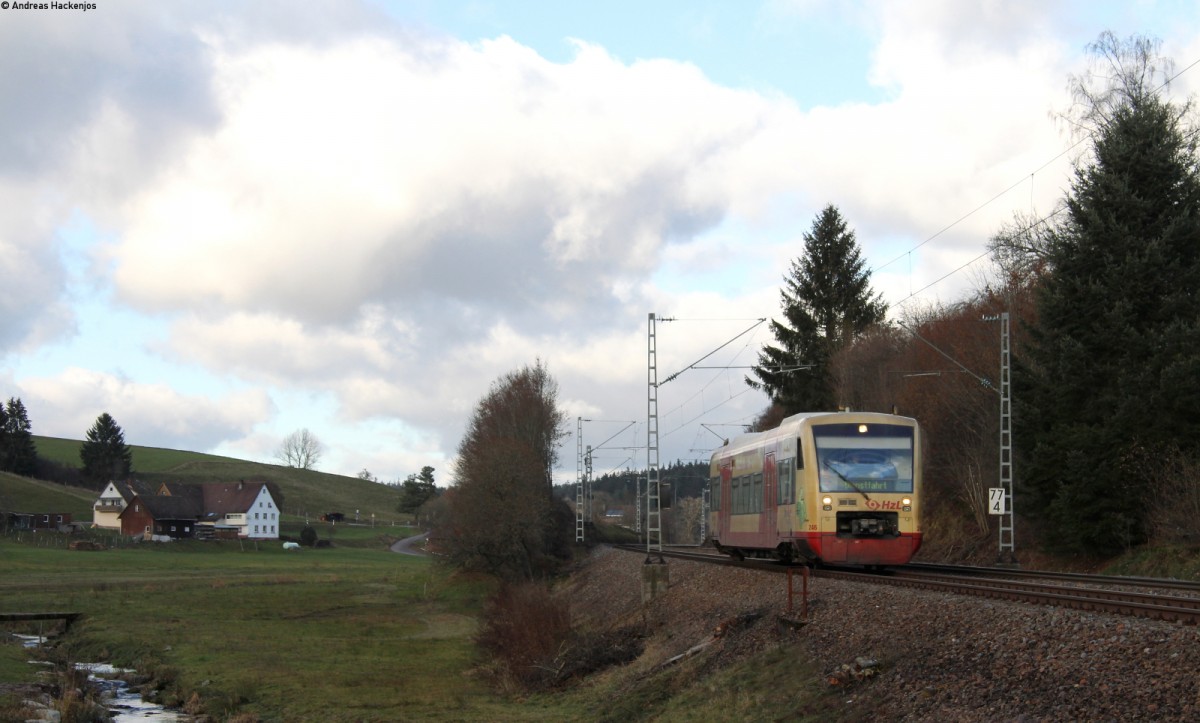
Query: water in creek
x=123 y=704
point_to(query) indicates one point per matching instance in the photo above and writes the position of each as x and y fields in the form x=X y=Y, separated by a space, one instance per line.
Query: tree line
x=103 y=455
x=1103 y=298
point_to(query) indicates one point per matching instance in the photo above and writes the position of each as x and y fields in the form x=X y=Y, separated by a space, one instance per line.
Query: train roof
x=792 y=423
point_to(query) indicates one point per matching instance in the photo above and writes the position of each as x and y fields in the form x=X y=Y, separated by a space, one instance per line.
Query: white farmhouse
x=241 y=509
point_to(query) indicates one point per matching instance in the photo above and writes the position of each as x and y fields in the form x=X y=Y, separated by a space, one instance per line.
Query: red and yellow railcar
x=836 y=487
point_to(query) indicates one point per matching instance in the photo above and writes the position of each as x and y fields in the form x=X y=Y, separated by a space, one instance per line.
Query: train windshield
x=864 y=457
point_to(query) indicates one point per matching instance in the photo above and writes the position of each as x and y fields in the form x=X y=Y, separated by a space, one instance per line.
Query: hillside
x=305 y=492
x=23 y=494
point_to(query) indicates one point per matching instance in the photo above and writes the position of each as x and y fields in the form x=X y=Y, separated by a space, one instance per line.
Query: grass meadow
x=339 y=634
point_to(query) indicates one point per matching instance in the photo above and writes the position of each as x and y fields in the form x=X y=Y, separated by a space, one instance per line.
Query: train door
x=726 y=509
x=770 y=500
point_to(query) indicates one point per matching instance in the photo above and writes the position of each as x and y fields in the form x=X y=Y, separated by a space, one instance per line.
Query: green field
x=332 y=634
x=248 y=631
x=22 y=494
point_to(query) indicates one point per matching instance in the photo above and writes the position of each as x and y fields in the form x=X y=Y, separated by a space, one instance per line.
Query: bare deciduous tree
x=686 y=517
x=300 y=449
x=502 y=514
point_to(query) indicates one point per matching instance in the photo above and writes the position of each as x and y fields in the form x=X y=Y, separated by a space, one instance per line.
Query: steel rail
x=1145 y=605
x=1150 y=582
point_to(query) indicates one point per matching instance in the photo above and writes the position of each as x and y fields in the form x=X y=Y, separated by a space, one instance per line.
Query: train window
x=714 y=493
x=757 y=500
x=787 y=488
x=864 y=458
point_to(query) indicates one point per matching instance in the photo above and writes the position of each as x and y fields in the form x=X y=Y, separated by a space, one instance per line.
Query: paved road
x=414 y=545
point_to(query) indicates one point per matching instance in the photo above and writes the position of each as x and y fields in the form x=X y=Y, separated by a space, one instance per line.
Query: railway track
x=1156 y=599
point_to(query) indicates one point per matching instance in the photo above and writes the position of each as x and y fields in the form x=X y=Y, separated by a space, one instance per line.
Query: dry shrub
x=75 y=703
x=587 y=653
x=12 y=708
x=524 y=629
x=1173 y=480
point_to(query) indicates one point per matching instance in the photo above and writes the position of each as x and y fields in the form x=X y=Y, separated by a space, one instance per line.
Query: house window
x=172 y=528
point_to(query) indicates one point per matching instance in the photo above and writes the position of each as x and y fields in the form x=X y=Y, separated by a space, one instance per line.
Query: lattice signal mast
x=653 y=511
x=579 y=479
x=1007 y=542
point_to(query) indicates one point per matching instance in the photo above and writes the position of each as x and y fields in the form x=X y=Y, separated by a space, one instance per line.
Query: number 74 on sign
x=996 y=501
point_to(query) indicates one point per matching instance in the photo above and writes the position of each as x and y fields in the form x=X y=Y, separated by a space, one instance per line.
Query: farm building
x=175 y=510
x=35 y=520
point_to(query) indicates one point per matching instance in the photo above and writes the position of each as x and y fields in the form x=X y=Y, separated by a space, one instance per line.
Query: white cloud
x=372 y=171
x=321 y=203
x=31 y=272
x=153 y=415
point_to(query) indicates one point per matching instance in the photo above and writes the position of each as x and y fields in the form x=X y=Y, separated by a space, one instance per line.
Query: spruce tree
x=104 y=454
x=827 y=302
x=417 y=490
x=18 y=453
x=1113 y=369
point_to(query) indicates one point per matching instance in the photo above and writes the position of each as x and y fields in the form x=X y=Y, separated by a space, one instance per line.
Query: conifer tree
x=827 y=302
x=104 y=454
x=417 y=490
x=18 y=453
x=1113 y=368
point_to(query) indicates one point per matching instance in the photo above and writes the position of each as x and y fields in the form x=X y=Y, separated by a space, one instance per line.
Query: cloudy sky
x=226 y=221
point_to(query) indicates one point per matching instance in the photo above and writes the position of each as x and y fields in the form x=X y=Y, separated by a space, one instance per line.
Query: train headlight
x=827 y=504
x=906 y=502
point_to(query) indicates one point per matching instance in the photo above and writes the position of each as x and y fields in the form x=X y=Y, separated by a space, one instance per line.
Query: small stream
x=124 y=704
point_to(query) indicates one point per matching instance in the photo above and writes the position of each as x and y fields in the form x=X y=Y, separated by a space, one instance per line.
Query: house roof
x=162 y=507
x=224 y=498
x=178 y=501
x=130 y=488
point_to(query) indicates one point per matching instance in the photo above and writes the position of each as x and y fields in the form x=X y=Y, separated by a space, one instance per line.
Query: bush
x=308 y=537
x=1173 y=491
x=525 y=628
x=59 y=473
